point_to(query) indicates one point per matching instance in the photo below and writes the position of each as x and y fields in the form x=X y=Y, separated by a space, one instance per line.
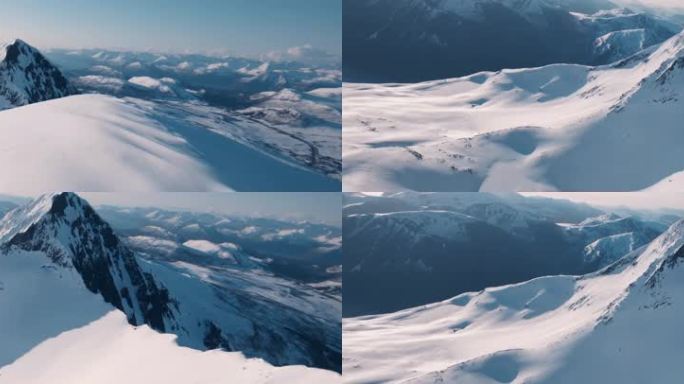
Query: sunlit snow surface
x=109 y=350
x=103 y=143
x=620 y=325
x=560 y=127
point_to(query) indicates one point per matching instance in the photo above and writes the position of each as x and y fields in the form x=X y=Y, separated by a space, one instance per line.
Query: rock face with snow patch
x=72 y=235
x=550 y=122
x=27 y=77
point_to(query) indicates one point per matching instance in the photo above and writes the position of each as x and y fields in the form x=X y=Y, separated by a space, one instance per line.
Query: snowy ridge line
x=71 y=239
x=540 y=331
x=521 y=129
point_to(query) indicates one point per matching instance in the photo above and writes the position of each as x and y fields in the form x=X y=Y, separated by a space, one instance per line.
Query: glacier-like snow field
x=562 y=127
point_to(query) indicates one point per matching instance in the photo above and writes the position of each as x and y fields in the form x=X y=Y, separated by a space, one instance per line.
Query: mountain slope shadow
x=245 y=168
x=40 y=302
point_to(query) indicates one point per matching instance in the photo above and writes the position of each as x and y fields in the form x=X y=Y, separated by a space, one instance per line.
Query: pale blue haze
x=245 y=27
x=315 y=207
x=319 y=207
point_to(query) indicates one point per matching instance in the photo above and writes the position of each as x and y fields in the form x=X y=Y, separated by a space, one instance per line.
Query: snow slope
x=559 y=127
x=557 y=329
x=108 y=350
x=101 y=143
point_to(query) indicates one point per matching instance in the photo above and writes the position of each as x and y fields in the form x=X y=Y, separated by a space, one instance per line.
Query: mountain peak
x=12 y=50
x=675 y=233
x=22 y=218
x=62 y=200
x=26 y=76
x=72 y=235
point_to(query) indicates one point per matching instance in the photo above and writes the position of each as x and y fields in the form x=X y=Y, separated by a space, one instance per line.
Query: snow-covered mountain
x=26 y=76
x=418 y=40
x=69 y=232
x=452 y=243
x=556 y=329
x=237 y=307
x=523 y=129
x=153 y=146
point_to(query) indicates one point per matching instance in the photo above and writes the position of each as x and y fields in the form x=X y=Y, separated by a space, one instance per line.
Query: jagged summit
x=545 y=330
x=69 y=231
x=26 y=76
x=63 y=206
x=14 y=48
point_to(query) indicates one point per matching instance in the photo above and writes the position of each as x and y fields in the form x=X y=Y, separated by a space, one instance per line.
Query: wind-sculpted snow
x=95 y=142
x=104 y=348
x=558 y=329
x=26 y=76
x=233 y=304
x=560 y=127
x=109 y=351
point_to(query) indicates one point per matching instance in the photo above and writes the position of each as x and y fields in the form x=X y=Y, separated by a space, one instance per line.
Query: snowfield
x=559 y=127
x=618 y=325
x=109 y=350
x=102 y=143
x=102 y=347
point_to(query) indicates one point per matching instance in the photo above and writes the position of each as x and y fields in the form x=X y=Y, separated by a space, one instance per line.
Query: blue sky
x=321 y=207
x=246 y=27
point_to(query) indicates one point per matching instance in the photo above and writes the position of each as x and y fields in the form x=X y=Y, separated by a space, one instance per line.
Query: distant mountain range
x=405 y=250
x=419 y=40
